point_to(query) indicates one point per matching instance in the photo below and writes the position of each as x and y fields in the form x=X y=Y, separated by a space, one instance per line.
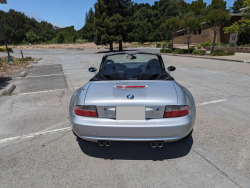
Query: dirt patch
x=89 y=45
x=9 y=68
x=69 y=46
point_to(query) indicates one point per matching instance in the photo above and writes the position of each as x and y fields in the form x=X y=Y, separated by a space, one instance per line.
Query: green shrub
x=195 y=52
x=192 y=48
x=158 y=45
x=232 y=45
x=165 y=45
x=207 y=43
x=245 y=45
x=169 y=44
x=202 y=52
x=165 y=50
x=218 y=53
x=3 y=49
x=222 y=44
x=199 y=52
x=162 y=50
x=199 y=47
x=216 y=44
x=176 y=51
x=168 y=51
x=244 y=38
x=230 y=53
x=182 y=51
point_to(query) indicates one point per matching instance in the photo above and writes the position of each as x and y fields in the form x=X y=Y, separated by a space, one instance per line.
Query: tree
x=237 y=5
x=109 y=22
x=143 y=25
x=242 y=27
x=69 y=34
x=19 y=28
x=171 y=26
x=87 y=31
x=247 y=4
x=32 y=37
x=218 y=4
x=60 y=38
x=191 y=24
x=215 y=19
x=197 y=7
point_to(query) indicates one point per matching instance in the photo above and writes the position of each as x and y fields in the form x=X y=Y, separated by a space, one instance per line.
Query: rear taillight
x=175 y=111
x=87 y=111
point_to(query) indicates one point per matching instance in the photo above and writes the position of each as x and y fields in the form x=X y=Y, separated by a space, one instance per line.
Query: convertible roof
x=131 y=53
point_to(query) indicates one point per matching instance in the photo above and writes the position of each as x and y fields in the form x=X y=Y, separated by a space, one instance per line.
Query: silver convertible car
x=132 y=98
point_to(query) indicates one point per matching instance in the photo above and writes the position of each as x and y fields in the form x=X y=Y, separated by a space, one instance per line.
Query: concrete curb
x=29 y=66
x=8 y=89
x=204 y=57
x=23 y=74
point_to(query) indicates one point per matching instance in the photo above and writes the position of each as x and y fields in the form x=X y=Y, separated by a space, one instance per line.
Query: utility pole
x=9 y=58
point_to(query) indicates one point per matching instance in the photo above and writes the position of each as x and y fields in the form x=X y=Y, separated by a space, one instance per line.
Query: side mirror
x=92 y=69
x=171 y=68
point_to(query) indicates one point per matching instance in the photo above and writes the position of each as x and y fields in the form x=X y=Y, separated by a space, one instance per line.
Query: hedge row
x=3 y=49
x=222 y=53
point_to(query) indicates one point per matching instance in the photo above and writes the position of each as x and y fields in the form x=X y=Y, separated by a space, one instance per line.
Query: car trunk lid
x=154 y=96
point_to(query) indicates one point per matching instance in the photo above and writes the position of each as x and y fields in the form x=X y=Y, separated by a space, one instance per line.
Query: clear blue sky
x=62 y=12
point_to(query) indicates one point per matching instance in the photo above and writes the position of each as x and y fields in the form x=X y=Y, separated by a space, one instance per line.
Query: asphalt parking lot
x=38 y=148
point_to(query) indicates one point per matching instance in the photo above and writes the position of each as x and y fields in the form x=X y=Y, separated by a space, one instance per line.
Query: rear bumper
x=164 y=129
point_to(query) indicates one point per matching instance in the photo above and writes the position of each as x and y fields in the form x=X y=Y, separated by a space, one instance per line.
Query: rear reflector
x=125 y=87
x=175 y=111
x=87 y=111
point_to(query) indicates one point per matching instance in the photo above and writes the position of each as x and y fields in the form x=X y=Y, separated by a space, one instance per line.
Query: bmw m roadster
x=132 y=98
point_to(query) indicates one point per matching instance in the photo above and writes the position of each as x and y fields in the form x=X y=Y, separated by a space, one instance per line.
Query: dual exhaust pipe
x=152 y=144
x=156 y=144
x=103 y=143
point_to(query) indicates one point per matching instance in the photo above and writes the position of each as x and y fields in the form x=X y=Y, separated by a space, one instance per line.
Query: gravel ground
x=38 y=149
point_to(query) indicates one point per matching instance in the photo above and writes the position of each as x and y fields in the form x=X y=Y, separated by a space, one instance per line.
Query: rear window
x=131 y=67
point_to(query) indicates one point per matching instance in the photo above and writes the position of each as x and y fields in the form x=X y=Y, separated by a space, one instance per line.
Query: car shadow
x=4 y=81
x=137 y=150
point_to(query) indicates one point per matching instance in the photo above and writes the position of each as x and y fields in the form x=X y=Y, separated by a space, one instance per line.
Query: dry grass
x=9 y=68
x=83 y=45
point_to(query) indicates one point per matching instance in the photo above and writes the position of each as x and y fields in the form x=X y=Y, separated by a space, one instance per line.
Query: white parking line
x=34 y=134
x=41 y=92
x=46 y=91
x=68 y=128
x=211 y=102
x=40 y=76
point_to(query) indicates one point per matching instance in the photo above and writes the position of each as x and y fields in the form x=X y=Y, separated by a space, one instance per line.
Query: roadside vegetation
x=17 y=65
x=123 y=22
x=3 y=49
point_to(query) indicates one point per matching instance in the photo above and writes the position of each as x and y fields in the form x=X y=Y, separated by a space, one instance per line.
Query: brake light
x=87 y=111
x=176 y=111
x=125 y=87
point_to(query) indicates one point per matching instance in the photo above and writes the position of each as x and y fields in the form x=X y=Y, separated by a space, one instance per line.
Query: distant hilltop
x=55 y=27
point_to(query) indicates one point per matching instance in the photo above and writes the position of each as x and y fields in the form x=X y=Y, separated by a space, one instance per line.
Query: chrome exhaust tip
x=107 y=143
x=101 y=143
x=153 y=144
x=160 y=144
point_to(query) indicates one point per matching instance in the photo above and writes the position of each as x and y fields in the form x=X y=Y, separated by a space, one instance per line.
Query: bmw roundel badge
x=130 y=96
